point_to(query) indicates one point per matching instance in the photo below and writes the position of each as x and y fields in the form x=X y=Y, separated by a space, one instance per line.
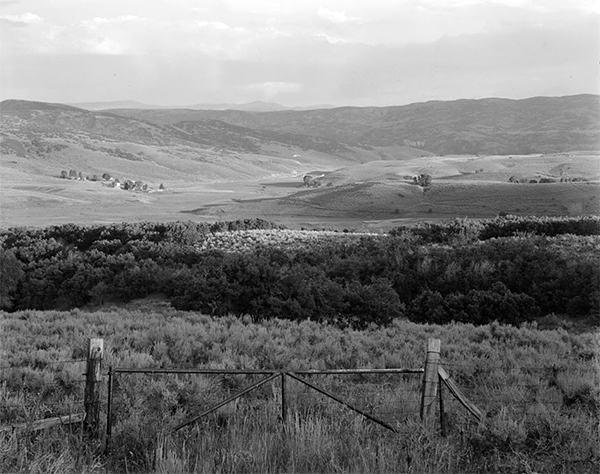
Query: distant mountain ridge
x=482 y=126
x=24 y=117
x=256 y=106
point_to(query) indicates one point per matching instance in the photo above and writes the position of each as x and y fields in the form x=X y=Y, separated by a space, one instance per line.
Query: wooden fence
x=91 y=414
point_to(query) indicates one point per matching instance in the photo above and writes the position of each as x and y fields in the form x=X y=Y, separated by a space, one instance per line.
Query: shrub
x=477 y=307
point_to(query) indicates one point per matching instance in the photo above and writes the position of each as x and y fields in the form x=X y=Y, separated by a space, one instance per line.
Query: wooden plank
x=430 y=379
x=45 y=423
x=476 y=412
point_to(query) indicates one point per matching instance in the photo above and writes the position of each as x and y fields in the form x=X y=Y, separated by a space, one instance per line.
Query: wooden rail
x=476 y=412
x=44 y=424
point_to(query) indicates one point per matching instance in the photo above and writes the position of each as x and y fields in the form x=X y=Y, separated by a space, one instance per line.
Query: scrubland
x=538 y=389
x=250 y=295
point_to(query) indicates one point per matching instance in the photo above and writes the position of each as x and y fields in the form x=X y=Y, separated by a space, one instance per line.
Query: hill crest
x=465 y=126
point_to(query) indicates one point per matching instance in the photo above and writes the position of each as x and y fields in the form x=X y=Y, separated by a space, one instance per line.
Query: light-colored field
x=219 y=186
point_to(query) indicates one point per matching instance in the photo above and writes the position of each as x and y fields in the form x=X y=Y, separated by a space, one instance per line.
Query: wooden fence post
x=92 y=386
x=283 y=400
x=111 y=375
x=430 y=380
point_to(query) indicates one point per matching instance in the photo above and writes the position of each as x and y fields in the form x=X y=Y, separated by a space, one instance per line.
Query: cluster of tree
x=467 y=270
x=564 y=179
x=74 y=174
x=311 y=181
x=460 y=231
x=127 y=184
x=71 y=174
x=414 y=143
x=423 y=180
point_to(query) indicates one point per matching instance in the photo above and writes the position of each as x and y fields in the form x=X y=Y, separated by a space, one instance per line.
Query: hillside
x=485 y=126
x=41 y=138
x=216 y=169
x=31 y=118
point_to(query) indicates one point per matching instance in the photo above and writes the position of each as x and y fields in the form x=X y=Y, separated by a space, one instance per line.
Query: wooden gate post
x=283 y=400
x=430 y=380
x=92 y=386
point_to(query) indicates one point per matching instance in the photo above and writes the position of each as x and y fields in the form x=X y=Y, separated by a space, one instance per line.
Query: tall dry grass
x=538 y=389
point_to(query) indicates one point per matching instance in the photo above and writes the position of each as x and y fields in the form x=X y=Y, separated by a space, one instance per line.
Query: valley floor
x=369 y=196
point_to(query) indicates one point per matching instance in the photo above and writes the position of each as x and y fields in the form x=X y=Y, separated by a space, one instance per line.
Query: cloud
x=119 y=19
x=335 y=16
x=23 y=19
x=217 y=25
x=330 y=39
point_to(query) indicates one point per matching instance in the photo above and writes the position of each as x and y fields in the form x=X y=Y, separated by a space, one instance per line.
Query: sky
x=297 y=52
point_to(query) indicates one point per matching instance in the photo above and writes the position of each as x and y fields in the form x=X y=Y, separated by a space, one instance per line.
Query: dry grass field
x=369 y=196
x=378 y=195
x=536 y=387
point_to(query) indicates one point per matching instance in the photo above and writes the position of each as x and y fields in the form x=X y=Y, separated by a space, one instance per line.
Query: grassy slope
x=389 y=200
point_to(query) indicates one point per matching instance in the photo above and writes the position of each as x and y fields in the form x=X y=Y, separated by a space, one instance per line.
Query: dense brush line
x=507 y=269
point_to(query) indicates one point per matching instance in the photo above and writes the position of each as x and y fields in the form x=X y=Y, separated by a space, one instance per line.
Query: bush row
x=360 y=281
x=466 y=230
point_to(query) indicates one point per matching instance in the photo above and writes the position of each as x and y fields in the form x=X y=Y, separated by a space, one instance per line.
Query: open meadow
x=372 y=196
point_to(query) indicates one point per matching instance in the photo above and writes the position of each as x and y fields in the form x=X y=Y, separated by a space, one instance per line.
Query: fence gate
x=386 y=404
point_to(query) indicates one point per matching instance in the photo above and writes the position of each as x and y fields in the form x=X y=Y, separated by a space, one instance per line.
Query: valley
x=225 y=165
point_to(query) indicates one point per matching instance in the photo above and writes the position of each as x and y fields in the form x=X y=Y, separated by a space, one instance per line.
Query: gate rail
x=433 y=375
x=271 y=375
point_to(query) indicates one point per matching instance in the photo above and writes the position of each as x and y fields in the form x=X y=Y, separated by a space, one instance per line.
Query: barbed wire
x=522 y=368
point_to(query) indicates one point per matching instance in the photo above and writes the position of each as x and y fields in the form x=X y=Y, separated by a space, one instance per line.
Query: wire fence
x=522 y=392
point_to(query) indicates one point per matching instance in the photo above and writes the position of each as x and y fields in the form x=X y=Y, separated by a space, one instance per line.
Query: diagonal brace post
x=342 y=402
x=225 y=402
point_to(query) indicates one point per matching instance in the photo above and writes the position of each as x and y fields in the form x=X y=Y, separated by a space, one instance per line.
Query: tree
x=161 y=187
x=99 y=293
x=11 y=272
x=64 y=174
x=423 y=180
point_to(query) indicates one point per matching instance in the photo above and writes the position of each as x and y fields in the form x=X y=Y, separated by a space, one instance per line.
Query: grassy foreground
x=539 y=390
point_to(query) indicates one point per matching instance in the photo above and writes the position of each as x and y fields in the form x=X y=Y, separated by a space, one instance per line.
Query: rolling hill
x=30 y=118
x=236 y=164
x=45 y=138
x=485 y=126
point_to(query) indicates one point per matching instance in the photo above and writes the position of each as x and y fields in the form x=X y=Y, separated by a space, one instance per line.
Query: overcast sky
x=297 y=52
